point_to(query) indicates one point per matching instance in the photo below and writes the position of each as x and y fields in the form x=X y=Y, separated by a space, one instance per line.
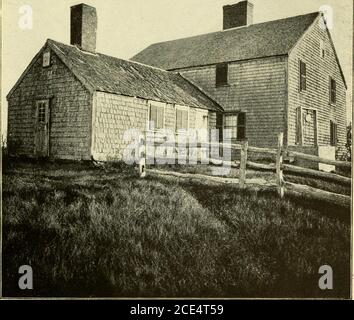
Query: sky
x=125 y=27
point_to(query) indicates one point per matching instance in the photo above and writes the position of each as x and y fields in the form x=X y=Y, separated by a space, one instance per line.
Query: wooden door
x=309 y=127
x=42 y=128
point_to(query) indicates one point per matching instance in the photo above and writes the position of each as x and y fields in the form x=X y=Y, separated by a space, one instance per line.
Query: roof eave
x=62 y=57
x=332 y=44
x=229 y=61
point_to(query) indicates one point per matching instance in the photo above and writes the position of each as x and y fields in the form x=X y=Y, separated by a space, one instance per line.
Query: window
x=221 y=74
x=302 y=76
x=332 y=90
x=41 y=112
x=156 y=119
x=46 y=59
x=333 y=133
x=237 y=124
x=231 y=124
x=181 y=119
x=322 y=49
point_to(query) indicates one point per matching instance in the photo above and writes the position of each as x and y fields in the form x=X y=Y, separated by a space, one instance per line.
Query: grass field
x=90 y=231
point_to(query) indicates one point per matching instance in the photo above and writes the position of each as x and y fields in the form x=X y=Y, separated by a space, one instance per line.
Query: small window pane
x=41 y=116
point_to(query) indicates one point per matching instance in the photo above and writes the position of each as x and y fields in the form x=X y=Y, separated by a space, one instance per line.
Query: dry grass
x=104 y=232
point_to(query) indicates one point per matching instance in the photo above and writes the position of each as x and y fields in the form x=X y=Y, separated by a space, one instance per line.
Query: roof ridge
x=103 y=54
x=241 y=27
x=101 y=72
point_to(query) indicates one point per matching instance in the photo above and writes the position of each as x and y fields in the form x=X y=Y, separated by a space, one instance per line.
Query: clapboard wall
x=257 y=87
x=317 y=96
x=114 y=115
x=70 y=111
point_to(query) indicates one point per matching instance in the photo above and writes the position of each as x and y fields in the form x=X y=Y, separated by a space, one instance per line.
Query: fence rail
x=283 y=187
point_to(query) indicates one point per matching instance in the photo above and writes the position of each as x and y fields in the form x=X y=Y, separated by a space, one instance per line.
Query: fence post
x=279 y=165
x=243 y=163
x=142 y=162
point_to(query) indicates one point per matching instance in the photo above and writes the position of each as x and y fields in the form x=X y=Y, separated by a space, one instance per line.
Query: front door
x=42 y=129
x=309 y=127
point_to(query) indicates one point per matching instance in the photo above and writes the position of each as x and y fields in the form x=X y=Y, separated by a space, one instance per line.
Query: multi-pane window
x=221 y=78
x=231 y=124
x=41 y=112
x=181 y=119
x=302 y=76
x=332 y=90
x=333 y=133
x=237 y=124
x=156 y=119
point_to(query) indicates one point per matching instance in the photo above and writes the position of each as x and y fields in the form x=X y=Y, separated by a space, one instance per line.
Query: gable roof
x=99 y=72
x=254 y=41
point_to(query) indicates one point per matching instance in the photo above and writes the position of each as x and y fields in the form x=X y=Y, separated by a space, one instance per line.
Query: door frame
x=315 y=126
x=46 y=101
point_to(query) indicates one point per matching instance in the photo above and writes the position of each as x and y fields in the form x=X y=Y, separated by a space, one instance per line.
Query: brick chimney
x=83 y=27
x=238 y=15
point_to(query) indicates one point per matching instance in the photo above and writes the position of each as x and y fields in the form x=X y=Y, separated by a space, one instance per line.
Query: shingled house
x=277 y=76
x=74 y=103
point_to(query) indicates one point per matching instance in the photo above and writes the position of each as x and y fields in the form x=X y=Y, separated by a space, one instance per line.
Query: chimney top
x=83 y=27
x=237 y=15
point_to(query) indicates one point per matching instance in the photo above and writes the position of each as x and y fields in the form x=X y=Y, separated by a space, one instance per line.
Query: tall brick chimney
x=238 y=15
x=83 y=27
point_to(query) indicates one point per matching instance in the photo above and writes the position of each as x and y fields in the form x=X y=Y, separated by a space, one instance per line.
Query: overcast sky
x=127 y=26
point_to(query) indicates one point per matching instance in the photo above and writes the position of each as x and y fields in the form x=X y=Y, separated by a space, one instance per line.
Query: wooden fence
x=280 y=153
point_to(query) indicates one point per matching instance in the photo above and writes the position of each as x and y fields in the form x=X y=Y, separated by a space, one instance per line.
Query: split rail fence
x=280 y=153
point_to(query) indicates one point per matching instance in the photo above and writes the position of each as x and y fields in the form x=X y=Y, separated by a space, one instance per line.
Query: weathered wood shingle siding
x=70 y=111
x=257 y=87
x=316 y=95
x=114 y=114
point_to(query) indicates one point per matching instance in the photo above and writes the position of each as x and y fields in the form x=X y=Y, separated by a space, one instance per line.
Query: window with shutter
x=302 y=76
x=181 y=119
x=156 y=120
x=237 y=124
x=221 y=74
x=231 y=124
